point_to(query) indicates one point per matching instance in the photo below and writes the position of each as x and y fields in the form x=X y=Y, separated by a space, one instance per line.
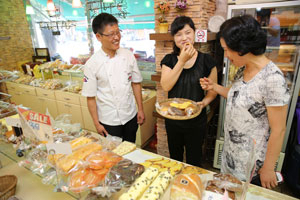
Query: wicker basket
x=8 y=185
x=167 y=104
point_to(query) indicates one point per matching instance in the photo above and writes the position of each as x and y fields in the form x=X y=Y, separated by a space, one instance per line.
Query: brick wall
x=13 y=23
x=200 y=11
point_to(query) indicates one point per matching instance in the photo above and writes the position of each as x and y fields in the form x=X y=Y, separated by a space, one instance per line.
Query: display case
x=281 y=21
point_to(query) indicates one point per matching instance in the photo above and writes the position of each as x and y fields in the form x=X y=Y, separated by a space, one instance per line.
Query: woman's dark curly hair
x=243 y=34
x=179 y=24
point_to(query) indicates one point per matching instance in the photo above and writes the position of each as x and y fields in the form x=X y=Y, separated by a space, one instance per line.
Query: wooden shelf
x=156 y=77
x=169 y=37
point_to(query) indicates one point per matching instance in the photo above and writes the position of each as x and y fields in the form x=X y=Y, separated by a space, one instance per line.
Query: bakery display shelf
x=7 y=150
x=7 y=109
x=4 y=96
x=7 y=76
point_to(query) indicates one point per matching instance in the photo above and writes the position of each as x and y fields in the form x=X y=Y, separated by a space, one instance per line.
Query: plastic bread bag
x=75 y=143
x=75 y=160
x=50 y=177
x=162 y=109
x=123 y=174
x=84 y=179
x=102 y=160
x=228 y=182
x=186 y=186
x=63 y=122
x=36 y=160
x=189 y=111
x=250 y=168
x=72 y=86
x=212 y=190
x=111 y=142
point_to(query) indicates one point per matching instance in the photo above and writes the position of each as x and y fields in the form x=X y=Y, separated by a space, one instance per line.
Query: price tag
x=59 y=148
x=28 y=70
x=201 y=35
x=36 y=125
x=208 y=195
x=13 y=122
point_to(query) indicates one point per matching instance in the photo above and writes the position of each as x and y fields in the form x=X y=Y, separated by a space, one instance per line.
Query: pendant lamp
x=76 y=4
x=50 y=5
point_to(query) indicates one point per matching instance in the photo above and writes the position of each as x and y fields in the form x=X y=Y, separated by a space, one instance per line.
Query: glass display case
x=281 y=21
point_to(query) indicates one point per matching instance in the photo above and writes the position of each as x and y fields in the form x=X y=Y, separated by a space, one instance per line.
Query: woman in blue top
x=181 y=71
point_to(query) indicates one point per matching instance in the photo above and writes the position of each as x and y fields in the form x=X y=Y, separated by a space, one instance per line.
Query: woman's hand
x=206 y=83
x=201 y=104
x=187 y=52
x=267 y=178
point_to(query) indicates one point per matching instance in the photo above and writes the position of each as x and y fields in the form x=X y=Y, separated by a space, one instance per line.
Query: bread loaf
x=187 y=186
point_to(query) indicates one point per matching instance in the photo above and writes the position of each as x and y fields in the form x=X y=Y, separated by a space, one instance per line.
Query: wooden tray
x=167 y=103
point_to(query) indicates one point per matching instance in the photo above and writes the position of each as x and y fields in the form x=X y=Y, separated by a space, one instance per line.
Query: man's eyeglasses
x=112 y=35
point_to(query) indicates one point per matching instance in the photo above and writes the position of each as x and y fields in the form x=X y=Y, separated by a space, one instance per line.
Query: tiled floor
x=282 y=188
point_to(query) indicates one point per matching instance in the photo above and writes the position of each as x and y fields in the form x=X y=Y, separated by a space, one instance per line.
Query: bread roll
x=187 y=186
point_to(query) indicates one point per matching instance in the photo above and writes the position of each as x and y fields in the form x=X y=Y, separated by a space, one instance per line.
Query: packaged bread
x=228 y=182
x=193 y=170
x=124 y=148
x=74 y=144
x=102 y=160
x=67 y=162
x=140 y=185
x=157 y=187
x=124 y=173
x=85 y=178
x=211 y=187
x=187 y=186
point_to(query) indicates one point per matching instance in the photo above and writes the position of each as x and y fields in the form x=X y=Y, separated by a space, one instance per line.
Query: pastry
x=124 y=148
x=213 y=188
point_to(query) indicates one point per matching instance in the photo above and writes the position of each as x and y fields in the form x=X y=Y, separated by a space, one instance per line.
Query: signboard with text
x=36 y=125
x=200 y=35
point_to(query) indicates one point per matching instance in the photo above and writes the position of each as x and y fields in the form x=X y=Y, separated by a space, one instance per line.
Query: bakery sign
x=35 y=125
x=200 y=35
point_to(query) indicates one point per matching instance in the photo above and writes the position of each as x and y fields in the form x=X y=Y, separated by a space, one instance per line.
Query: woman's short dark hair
x=179 y=24
x=243 y=34
x=102 y=20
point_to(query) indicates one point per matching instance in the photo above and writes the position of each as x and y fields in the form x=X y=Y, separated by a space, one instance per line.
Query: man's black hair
x=102 y=20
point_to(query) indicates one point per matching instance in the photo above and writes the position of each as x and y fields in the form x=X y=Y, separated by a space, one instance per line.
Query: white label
x=201 y=35
x=13 y=122
x=59 y=148
x=208 y=195
x=28 y=70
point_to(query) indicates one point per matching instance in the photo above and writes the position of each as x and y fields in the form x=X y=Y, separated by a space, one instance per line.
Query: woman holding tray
x=181 y=71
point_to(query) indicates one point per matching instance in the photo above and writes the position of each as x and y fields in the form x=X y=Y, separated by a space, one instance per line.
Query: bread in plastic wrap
x=187 y=186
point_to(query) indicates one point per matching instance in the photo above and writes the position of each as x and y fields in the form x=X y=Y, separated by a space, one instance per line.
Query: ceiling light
x=50 y=5
x=75 y=13
x=76 y=4
x=147 y=4
x=108 y=1
x=29 y=10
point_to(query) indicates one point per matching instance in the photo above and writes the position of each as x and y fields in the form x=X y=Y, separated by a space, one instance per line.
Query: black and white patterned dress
x=246 y=117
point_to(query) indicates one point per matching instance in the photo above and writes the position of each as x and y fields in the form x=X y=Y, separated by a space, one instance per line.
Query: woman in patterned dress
x=257 y=102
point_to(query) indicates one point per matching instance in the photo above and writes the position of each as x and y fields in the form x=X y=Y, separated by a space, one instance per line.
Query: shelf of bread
x=94 y=170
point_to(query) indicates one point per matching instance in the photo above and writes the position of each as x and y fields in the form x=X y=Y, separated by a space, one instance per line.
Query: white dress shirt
x=109 y=79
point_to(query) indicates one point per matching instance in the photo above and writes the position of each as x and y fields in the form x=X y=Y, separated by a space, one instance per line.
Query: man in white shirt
x=112 y=83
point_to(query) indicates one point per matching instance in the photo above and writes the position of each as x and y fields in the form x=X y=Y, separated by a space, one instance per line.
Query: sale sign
x=36 y=125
